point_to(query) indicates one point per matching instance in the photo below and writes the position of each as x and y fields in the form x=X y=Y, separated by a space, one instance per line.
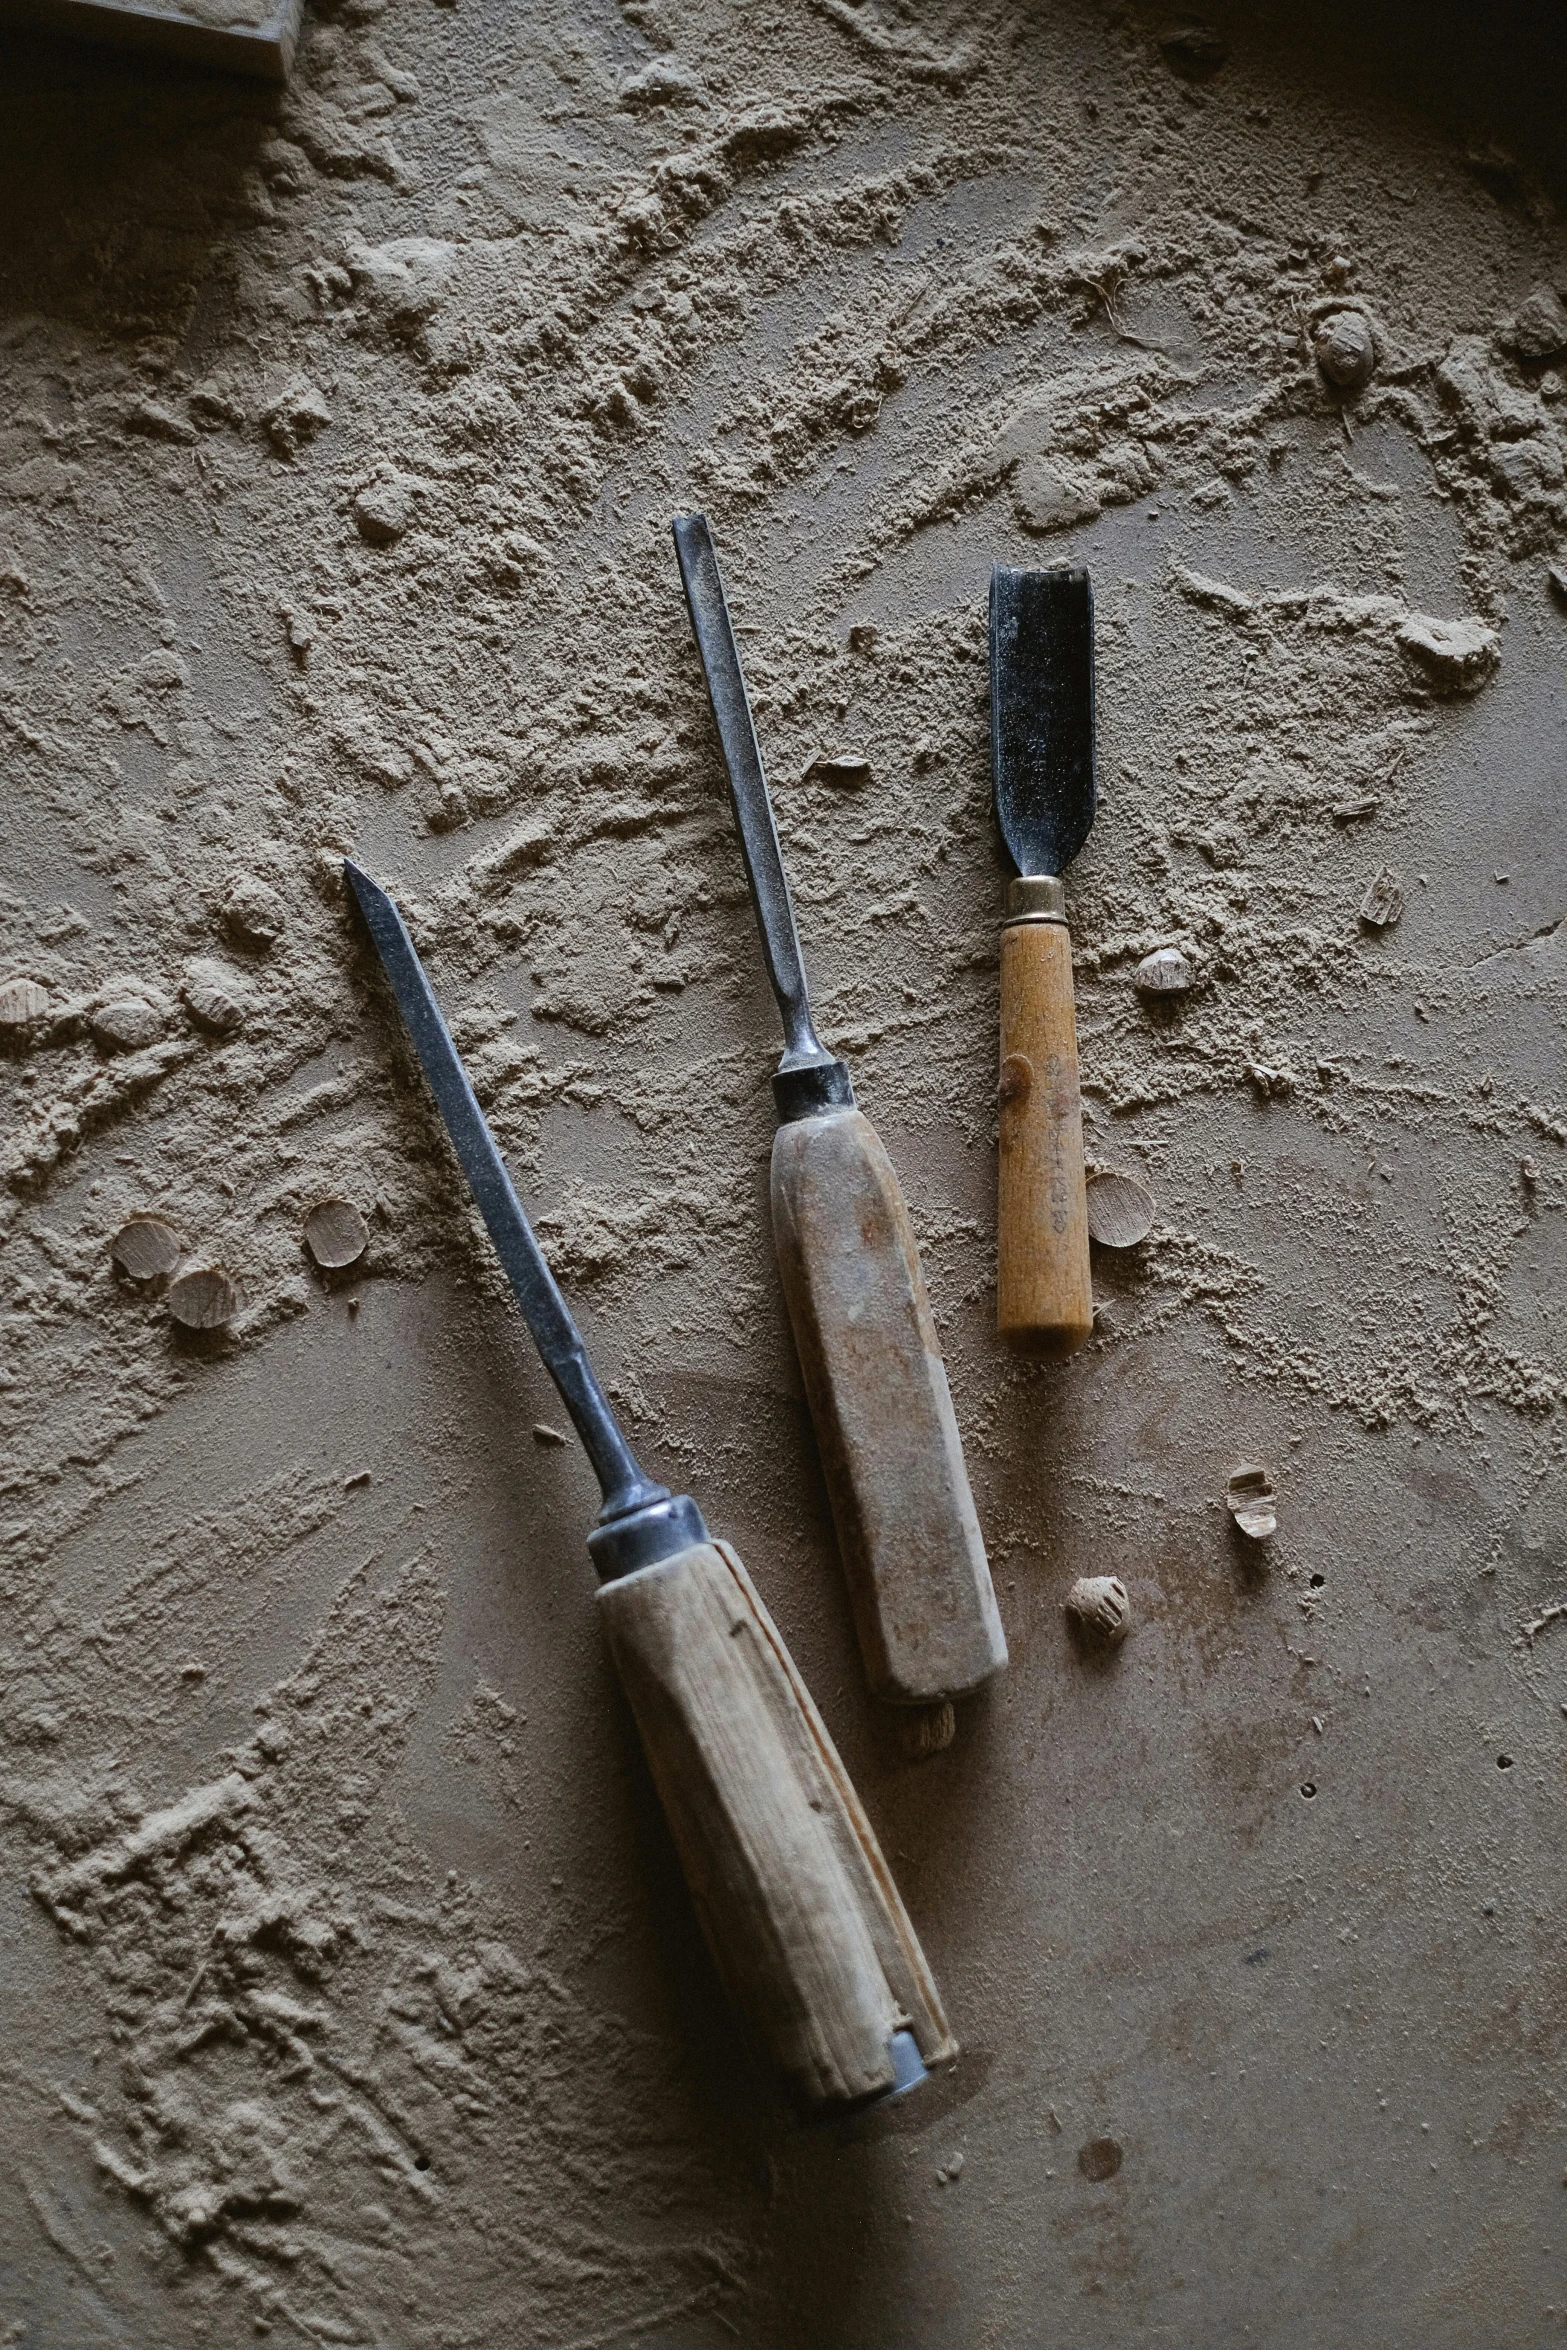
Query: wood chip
x=336 y=1234
x=211 y=1002
x=926 y=1729
x=1383 y=902
x=848 y=770
x=22 y=1001
x=1120 y=1210
x=1252 y=1500
x=126 y=1024
x=146 y=1249
x=543 y=1433
x=204 y=1299
x=1165 y=972
x=1100 y=1603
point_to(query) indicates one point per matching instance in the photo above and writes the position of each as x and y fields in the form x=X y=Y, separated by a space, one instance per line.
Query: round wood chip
x=1120 y=1210
x=1252 y=1500
x=204 y=1299
x=335 y=1234
x=22 y=1001
x=146 y=1248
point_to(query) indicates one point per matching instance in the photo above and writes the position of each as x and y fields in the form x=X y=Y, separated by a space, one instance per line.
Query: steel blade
x=715 y=637
x=1042 y=714
x=555 y=1334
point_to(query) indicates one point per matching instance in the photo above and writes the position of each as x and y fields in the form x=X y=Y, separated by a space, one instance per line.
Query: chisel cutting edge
x=923 y=1602
x=800 y=1911
x=1042 y=744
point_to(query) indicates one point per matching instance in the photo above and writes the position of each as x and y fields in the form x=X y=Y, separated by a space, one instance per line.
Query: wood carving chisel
x=918 y=1578
x=800 y=1911
x=1042 y=748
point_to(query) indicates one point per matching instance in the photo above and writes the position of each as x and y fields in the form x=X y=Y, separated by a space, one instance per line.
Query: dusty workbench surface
x=351 y=1990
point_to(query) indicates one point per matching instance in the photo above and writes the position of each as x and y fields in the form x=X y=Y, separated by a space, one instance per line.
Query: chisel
x=869 y=1354
x=1042 y=749
x=799 y=1908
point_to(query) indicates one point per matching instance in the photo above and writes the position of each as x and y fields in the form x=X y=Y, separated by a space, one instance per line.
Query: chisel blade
x=1042 y=714
x=640 y=1520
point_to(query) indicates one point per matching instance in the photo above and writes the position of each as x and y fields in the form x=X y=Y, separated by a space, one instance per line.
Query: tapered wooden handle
x=1044 y=1304
x=800 y=1911
x=912 y=1550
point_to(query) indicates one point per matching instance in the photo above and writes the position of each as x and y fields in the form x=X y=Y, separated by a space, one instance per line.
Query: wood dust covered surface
x=352 y=1993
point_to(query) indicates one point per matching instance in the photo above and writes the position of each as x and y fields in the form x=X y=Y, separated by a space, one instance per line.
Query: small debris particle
x=253 y=914
x=863 y=636
x=1165 y=972
x=1502 y=877
x=1251 y=1498
x=1120 y=1210
x=359 y=1477
x=210 y=1000
x=295 y=417
x=1383 y=902
x=1539 y=331
x=382 y=510
x=847 y=770
x=1316 y=1723
x=950 y=2171
x=22 y=1001
x=543 y=1433
x=1100 y=1604
x=926 y=1729
x=1346 y=349
x=204 y=1299
x=146 y=1249
x=1100 y=2159
x=336 y=1234
x=126 y=1024
x=1528 y=1173
x=1354 y=811
x=1269 y=1084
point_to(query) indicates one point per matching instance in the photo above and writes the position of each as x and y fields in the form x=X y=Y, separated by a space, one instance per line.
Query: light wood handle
x=800 y=1911
x=1044 y=1303
x=920 y=1586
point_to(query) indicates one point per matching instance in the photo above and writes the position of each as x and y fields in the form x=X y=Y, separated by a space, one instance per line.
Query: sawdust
x=342 y=430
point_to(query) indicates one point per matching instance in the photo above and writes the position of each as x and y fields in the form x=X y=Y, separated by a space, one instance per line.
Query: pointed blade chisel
x=804 y=1922
x=924 y=1605
x=1042 y=748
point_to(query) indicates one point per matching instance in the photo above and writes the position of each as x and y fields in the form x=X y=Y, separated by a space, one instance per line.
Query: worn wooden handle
x=1044 y=1304
x=799 y=1908
x=923 y=1601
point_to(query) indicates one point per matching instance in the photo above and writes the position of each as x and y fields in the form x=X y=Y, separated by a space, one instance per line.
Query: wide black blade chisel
x=871 y=1359
x=1042 y=742
x=804 y=1922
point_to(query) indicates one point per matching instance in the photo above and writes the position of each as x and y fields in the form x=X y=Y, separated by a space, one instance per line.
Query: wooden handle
x=800 y=1911
x=1044 y=1304
x=923 y=1601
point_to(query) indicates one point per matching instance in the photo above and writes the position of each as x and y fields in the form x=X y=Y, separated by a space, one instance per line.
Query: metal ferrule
x=641 y=1537
x=1036 y=897
x=809 y=1092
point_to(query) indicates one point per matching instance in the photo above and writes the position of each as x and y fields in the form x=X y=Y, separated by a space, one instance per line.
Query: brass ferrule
x=1036 y=897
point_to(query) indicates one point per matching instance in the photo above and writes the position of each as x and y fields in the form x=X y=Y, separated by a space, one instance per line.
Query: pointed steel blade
x=1042 y=714
x=625 y=1488
x=753 y=811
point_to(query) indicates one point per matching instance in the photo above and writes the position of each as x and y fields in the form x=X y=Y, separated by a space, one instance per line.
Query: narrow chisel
x=800 y=1911
x=1042 y=747
x=918 y=1579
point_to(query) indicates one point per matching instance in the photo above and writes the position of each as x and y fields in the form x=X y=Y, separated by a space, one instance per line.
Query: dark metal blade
x=625 y=1488
x=1042 y=714
x=715 y=637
